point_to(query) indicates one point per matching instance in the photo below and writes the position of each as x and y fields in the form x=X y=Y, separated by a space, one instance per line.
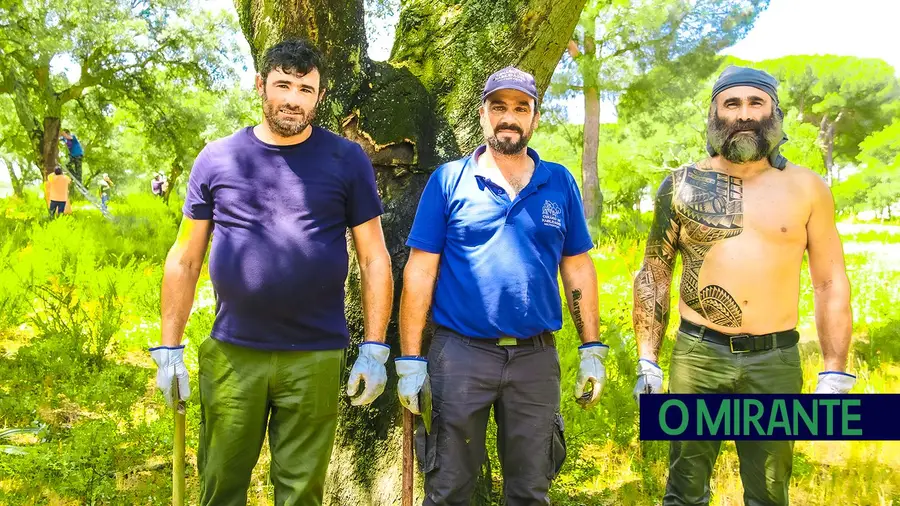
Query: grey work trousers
x=521 y=383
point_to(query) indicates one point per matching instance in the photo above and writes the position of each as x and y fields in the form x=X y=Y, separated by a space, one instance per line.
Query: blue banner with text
x=795 y=417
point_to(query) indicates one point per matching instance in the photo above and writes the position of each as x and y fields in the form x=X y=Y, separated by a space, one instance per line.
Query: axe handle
x=408 y=484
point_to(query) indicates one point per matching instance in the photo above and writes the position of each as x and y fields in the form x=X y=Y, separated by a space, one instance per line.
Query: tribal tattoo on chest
x=694 y=210
x=710 y=208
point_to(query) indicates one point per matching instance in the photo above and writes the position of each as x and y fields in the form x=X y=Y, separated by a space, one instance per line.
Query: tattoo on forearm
x=576 y=311
x=652 y=284
x=711 y=209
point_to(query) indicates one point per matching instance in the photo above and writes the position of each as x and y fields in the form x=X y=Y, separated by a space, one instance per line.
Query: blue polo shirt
x=499 y=258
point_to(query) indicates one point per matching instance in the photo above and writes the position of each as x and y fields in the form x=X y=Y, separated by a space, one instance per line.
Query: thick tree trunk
x=409 y=114
x=49 y=148
x=453 y=46
x=590 y=181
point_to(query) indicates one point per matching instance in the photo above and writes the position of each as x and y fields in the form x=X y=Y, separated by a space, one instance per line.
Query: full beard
x=287 y=127
x=744 y=141
x=509 y=147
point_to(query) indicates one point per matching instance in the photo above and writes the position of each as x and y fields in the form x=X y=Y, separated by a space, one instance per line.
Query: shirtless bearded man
x=742 y=220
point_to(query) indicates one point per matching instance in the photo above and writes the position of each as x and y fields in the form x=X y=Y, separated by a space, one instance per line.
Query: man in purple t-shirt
x=279 y=197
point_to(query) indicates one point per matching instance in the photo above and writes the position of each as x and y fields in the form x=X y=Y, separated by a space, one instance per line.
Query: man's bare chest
x=712 y=207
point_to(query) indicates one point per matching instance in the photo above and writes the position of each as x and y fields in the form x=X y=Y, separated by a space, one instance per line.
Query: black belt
x=742 y=343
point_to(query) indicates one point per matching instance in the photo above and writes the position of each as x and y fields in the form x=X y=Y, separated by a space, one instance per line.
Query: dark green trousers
x=702 y=367
x=243 y=391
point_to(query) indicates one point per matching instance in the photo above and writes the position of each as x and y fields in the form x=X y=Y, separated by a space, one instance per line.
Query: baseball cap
x=510 y=78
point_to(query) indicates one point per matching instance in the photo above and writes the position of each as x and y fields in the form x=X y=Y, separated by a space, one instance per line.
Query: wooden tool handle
x=408 y=482
x=178 y=482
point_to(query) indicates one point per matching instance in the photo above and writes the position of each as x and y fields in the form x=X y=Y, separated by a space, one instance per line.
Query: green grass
x=102 y=433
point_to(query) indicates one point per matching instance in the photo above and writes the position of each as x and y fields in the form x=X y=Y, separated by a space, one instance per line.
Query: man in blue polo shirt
x=491 y=232
x=280 y=197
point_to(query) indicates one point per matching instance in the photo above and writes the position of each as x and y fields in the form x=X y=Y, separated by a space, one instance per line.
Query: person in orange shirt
x=58 y=191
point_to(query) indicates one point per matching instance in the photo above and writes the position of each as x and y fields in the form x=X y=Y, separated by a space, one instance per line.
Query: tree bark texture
x=410 y=114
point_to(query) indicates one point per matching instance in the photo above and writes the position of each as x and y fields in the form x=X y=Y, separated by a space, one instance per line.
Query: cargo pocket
x=426 y=444
x=557 y=446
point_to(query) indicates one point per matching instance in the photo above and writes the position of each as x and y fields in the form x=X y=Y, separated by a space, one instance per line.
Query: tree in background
x=125 y=47
x=14 y=149
x=662 y=115
x=160 y=131
x=409 y=114
x=877 y=184
x=616 y=42
x=845 y=98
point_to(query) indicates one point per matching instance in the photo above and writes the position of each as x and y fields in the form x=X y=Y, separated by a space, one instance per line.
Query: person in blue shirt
x=76 y=153
x=491 y=232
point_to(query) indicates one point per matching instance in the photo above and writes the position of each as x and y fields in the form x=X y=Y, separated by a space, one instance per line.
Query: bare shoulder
x=810 y=183
x=811 y=189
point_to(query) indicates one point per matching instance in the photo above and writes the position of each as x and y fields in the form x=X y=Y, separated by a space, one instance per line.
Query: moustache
x=738 y=126
x=513 y=128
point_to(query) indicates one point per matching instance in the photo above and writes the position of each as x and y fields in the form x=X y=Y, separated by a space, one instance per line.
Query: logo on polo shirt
x=551 y=213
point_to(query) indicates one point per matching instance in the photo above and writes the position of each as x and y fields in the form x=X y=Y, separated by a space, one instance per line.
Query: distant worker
x=58 y=191
x=76 y=153
x=106 y=185
x=159 y=185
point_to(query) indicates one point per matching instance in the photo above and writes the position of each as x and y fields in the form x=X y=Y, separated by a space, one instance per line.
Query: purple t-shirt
x=278 y=259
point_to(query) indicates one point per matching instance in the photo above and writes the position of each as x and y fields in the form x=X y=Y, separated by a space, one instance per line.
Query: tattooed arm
x=580 y=283
x=654 y=280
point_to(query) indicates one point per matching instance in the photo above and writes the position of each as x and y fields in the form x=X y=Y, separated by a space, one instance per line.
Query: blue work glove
x=412 y=372
x=835 y=382
x=650 y=379
x=591 y=371
x=369 y=367
x=170 y=367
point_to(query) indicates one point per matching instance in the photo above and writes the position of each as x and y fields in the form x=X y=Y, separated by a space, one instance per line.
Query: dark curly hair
x=293 y=56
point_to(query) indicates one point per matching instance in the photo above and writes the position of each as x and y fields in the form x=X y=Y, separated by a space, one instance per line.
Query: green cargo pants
x=243 y=391
x=702 y=367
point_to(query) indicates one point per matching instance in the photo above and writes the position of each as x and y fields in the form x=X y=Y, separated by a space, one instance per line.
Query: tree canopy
x=121 y=50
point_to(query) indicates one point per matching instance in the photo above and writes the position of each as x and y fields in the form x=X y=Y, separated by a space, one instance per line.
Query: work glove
x=412 y=372
x=649 y=381
x=369 y=367
x=591 y=371
x=170 y=367
x=835 y=382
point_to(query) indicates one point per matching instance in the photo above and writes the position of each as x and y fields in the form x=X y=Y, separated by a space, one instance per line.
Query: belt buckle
x=731 y=340
x=507 y=341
